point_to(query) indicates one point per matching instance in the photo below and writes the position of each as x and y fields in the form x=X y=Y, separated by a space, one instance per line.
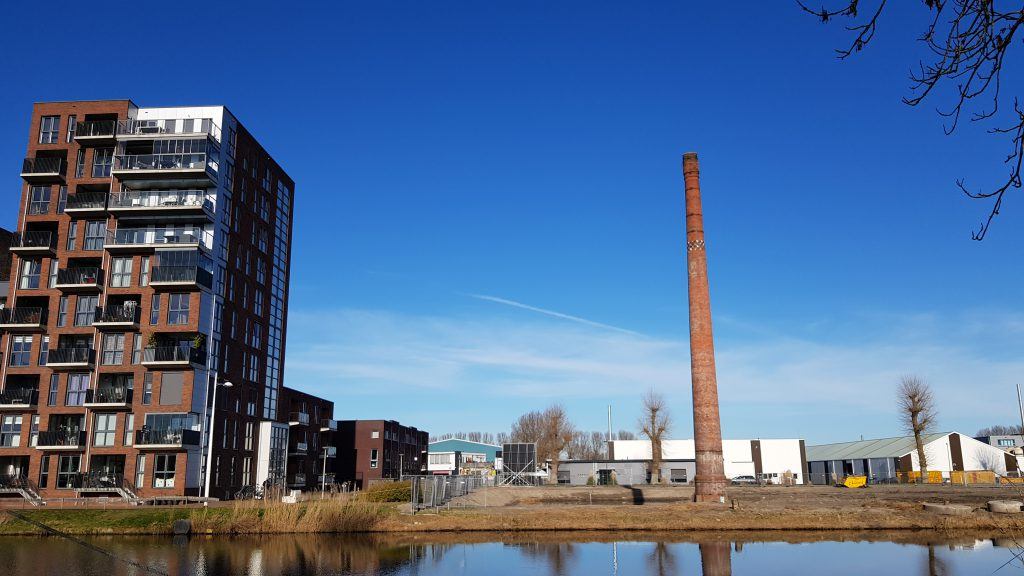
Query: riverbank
x=664 y=509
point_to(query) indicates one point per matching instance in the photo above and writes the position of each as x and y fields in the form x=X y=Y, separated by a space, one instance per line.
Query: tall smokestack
x=707 y=426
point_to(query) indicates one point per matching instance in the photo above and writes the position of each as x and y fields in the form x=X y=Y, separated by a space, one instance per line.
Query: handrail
x=86 y=200
x=36 y=239
x=30 y=315
x=79 y=275
x=61 y=438
x=19 y=396
x=109 y=395
x=75 y=355
x=43 y=166
x=122 y=313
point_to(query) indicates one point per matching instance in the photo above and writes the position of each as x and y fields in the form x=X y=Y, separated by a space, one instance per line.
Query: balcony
x=80 y=278
x=43 y=170
x=190 y=166
x=134 y=239
x=328 y=452
x=168 y=438
x=77 y=357
x=84 y=202
x=162 y=203
x=173 y=356
x=15 y=398
x=61 y=440
x=33 y=242
x=298 y=419
x=299 y=449
x=23 y=318
x=297 y=479
x=108 y=396
x=96 y=132
x=328 y=425
x=177 y=276
x=140 y=129
x=123 y=316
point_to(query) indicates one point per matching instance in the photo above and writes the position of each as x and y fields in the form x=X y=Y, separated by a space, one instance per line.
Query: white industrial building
x=884 y=459
x=769 y=460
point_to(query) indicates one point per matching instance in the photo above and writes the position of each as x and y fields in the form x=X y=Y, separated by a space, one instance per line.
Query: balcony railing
x=101 y=481
x=76 y=355
x=181 y=275
x=173 y=354
x=61 y=439
x=80 y=276
x=96 y=129
x=166 y=437
x=109 y=395
x=43 y=166
x=301 y=418
x=297 y=479
x=14 y=396
x=158 y=236
x=87 y=201
x=190 y=161
x=300 y=448
x=123 y=314
x=154 y=199
x=23 y=316
x=328 y=452
x=328 y=425
x=182 y=126
x=35 y=240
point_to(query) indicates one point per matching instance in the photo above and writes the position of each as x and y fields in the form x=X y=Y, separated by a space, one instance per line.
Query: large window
x=51 y=396
x=30 y=270
x=95 y=233
x=39 y=200
x=10 y=431
x=85 y=310
x=21 y=350
x=105 y=430
x=113 y=348
x=72 y=236
x=373 y=458
x=62 y=312
x=177 y=308
x=49 y=129
x=163 y=470
x=154 y=310
x=67 y=471
x=72 y=127
x=140 y=470
x=102 y=160
x=121 y=273
x=78 y=386
x=44 y=351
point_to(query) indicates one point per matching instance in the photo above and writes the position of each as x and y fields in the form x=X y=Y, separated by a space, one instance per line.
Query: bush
x=590 y=481
x=388 y=492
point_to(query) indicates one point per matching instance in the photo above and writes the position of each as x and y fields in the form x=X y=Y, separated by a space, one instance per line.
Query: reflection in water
x=556 y=554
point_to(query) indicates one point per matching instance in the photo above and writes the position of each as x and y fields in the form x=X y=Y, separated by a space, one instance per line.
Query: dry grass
x=256 y=517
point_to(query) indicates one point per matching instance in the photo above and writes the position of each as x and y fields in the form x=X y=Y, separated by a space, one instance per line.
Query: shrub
x=388 y=492
x=590 y=481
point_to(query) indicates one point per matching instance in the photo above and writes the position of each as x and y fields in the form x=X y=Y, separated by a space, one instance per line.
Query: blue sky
x=455 y=160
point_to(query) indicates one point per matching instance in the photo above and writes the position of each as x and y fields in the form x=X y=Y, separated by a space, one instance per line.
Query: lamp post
x=323 y=475
x=401 y=467
x=209 y=433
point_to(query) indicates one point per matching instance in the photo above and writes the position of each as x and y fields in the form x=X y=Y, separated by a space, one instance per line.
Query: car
x=744 y=480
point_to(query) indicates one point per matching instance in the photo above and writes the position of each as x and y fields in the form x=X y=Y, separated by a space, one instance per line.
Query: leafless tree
x=487 y=438
x=586 y=446
x=655 y=423
x=551 y=430
x=968 y=42
x=917 y=414
x=501 y=438
x=625 y=435
x=999 y=430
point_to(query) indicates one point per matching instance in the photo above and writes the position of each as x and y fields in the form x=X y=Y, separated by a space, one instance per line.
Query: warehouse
x=885 y=459
x=769 y=460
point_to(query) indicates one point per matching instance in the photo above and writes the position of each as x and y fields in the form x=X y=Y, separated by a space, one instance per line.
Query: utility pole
x=608 y=445
x=1021 y=407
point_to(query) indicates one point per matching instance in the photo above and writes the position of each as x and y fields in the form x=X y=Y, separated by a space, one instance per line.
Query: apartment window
x=72 y=236
x=177 y=308
x=10 y=431
x=234 y=434
x=246 y=473
x=85 y=310
x=78 y=386
x=1006 y=442
x=216 y=471
x=33 y=435
x=113 y=349
x=51 y=397
x=44 y=351
x=62 y=199
x=220 y=279
x=373 y=458
x=72 y=127
x=129 y=429
x=67 y=470
x=265 y=208
x=49 y=129
x=106 y=429
x=263 y=241
x=257 y=303
x=147 y=389
x=102 y=160
x=95 y=232
x=144 y=272
x=30 y=274
x=62 y=312
x=163 y=470
x=154 y=310
x=21 y=350
x=51 y=278
x=44 y=471
x=121 y=273
x=80 y=163
x=375 y=434
x=39 y=200
x=248 y=435
x=140 y=470
x=224 y=436
x=137 y=349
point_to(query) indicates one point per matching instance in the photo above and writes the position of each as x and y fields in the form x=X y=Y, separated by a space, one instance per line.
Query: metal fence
x=437 y=491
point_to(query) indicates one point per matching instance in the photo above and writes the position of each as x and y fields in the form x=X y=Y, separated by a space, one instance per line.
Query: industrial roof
x=880 y=448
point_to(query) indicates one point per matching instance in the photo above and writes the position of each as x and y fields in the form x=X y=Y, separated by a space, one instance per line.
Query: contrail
x=552 y=313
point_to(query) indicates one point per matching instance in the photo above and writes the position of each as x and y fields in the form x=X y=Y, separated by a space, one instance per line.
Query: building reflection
x=716 y=559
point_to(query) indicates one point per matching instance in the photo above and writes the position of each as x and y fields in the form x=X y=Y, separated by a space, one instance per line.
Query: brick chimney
x=707 y=428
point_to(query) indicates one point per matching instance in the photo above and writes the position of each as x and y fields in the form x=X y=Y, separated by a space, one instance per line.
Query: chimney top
x=689 y=156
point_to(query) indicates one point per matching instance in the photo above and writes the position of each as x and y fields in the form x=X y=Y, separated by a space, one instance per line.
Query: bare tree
x=487 y=438
x=655 y=423
x=999 y=430
x=551 y=430
x=501 y=438
x=968 y=41
x=625 y=435
x=917 y=414
x=586 y=446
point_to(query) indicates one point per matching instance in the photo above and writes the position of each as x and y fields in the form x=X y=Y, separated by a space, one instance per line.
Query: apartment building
x=151 y=270
x=311 y=451
x=370 y=450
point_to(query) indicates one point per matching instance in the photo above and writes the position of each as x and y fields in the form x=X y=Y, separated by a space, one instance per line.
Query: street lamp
x=209 y=432
x=401 y=467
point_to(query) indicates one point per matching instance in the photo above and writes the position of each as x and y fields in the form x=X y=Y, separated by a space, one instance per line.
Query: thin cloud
x=552 y=313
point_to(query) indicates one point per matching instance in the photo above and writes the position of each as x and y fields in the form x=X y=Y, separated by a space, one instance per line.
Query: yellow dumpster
x=855 y=481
